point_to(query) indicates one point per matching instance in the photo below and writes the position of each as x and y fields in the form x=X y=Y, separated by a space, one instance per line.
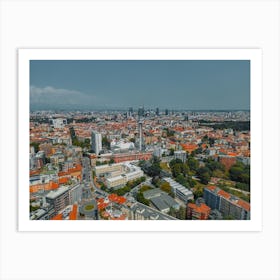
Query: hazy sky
x=184 y=84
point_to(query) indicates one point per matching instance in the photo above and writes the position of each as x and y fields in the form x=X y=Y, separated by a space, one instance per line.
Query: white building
x=96 y=142
x=180 y=191
x=182 y=155
x=58 y=123
x=75 y=193
x=119 y=146
x=119 y=174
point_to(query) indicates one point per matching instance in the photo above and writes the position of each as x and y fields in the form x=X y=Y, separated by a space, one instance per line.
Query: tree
x=140 y=197
x=204 y=174
x=198 y=192
x=172 y=212
x=240 y=172
x=229 y=217
x=176 y=170
x=211 y=141
x=193 y=164
x=181 y=214
x=144 y=188
x=214 y=165
x=181 y=179
x=154 y=168
x=36 y=146
x=171 y=152
x=185 y=169
x=204 y=139
x=165 y=186
x=242 y=186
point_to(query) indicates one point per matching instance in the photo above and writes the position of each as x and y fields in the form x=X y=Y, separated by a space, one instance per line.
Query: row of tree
x=140 y=197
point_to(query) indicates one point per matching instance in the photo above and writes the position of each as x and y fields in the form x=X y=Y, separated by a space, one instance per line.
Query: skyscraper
x=96 y=142
x=141 y=112
x=157 y=111
x=130 y=111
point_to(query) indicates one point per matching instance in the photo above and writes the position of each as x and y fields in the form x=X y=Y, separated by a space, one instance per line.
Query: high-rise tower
x=140 y=127
x=96 y=142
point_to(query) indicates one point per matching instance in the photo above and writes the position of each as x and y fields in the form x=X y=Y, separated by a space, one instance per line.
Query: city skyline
x=178 y=85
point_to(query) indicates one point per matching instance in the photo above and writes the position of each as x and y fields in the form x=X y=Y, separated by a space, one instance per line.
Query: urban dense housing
x=139 y=164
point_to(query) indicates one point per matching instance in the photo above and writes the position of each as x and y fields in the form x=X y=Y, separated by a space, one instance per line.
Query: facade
x=107 y=168
x=115 y=182
x=58 y=123
x=96 y=142
x=227 y=204
x=211 y=197
x=75 y=193
x=135 y=174
x=59 y=199
x=198 y=211
x=118 y=174
x=182 y=155
x=180 y=191
x=132 y=156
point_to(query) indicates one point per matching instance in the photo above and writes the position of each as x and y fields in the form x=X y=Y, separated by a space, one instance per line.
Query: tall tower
x=157 y=111
x=140 y=127
x=96 y=142
x=130 y=111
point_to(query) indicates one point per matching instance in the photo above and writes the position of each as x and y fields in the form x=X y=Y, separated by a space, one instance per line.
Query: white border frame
x=254 y=55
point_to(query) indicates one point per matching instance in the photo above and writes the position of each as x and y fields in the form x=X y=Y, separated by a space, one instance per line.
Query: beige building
x=108 y=168
x=116 y=181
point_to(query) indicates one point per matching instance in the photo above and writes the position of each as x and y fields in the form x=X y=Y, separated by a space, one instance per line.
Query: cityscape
x=138 y=162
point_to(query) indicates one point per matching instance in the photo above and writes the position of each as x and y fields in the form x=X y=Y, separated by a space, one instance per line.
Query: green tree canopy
x=204 y=174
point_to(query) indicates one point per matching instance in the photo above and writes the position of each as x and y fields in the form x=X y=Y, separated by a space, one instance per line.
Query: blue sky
x=184 y=84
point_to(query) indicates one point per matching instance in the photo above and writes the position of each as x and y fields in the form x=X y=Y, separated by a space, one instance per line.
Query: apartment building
x=227 y=204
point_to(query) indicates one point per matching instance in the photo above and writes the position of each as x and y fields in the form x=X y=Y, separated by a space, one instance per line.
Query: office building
x=108 y=168
x=157 y=111
x=59 y=199
x=96 y=142
x=75 y=193
x=180 y=191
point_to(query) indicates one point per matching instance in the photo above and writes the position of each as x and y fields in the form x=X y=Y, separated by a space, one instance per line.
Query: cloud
x=58 y=96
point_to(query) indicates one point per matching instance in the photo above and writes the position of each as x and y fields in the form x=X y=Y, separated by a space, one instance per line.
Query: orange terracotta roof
x=63 y=180
x=57 y=217
x=244 y=204
x=118 y=199
x=34 y=172
x=211 y=188
x=101 y=206
x=224 y=194
x=232 y=154
x=73 y=213
x=189 y=147
x=199 y=208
